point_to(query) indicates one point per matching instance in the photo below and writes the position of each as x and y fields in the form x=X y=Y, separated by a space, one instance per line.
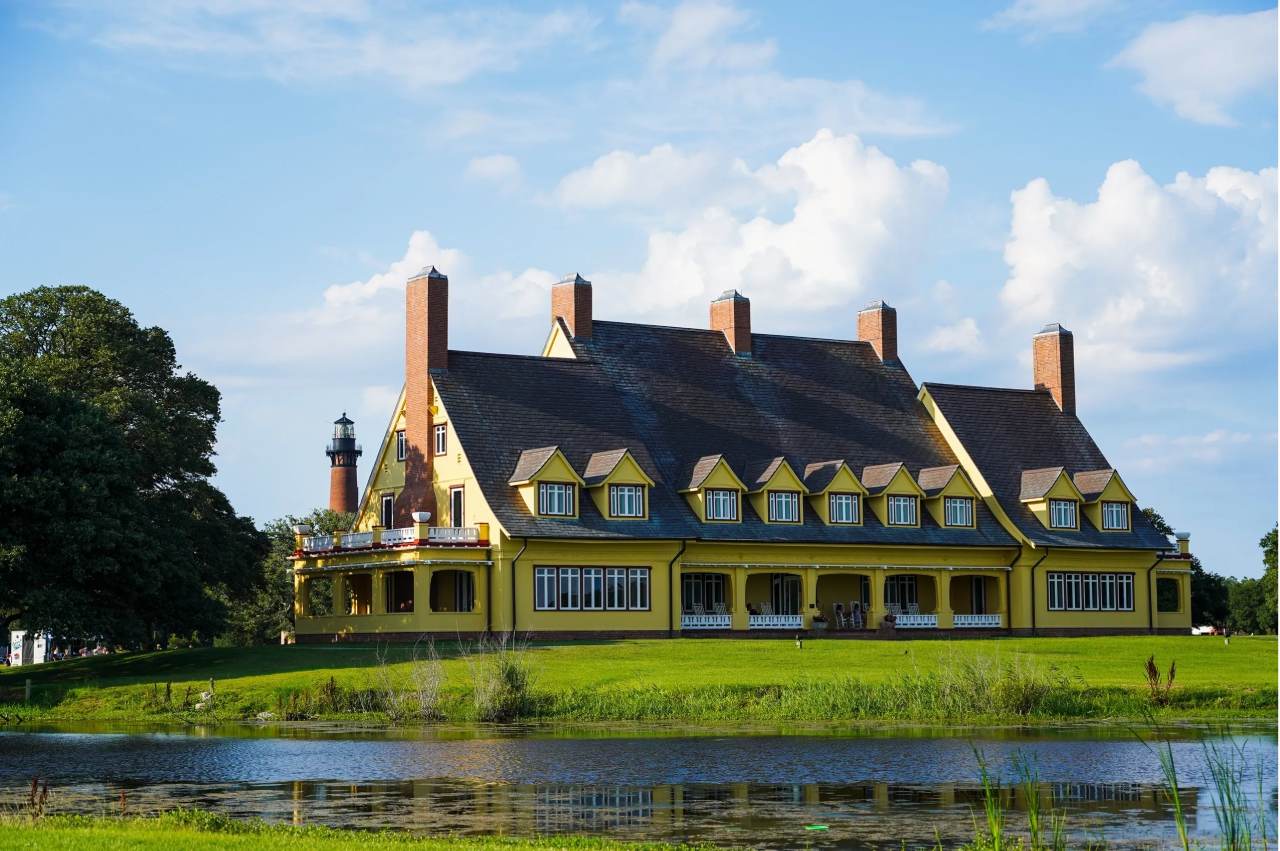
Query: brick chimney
x=731 y=313
x=426 y=350
x=1053 y=356
x=571 y=301
x=878 y=325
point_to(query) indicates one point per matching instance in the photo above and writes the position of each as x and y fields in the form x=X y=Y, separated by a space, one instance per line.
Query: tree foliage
x=106 y=448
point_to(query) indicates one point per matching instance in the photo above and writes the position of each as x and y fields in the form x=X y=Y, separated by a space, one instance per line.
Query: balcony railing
x=774 y=621
x=453 y=535
x=978 y=621
x=916 y=622
x=691 y=621
x=436 y=536
x=356 y=541
x=398 y=537
x=317 y=543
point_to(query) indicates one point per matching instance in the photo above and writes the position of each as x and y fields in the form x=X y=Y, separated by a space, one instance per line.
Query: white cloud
x=1202 y=64
x=1159 y=451
x=500 y=169
x=1041 y=17
x=700 y=34
x=1148 y=276
x=664 y=177
x=962 y=337
x=327 y=39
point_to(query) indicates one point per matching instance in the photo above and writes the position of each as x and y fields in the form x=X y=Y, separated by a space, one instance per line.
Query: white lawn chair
x=719 y=609
x=698 y=609
x=841 y=618
x=913 y=608
x=856 y=619
x=766 y=608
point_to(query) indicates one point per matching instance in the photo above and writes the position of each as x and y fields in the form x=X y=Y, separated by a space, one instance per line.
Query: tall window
x=626 y=500
x=722 y=504
x=902 y=511
x=555 y=499
x=544 y=588
x=402 y=446
x=570 y=590
x=593 y=587
x=703 y=591
x=388 y=511
x=1090 y=592
x=590 y=588
x=615 y=588
x=784 y=506
x=1115 y=515
x=900 y=591
x=843 y=507
x=441 y=439
x=638 y=588
x=958 y=510
x=457 y=498
x=1062 y=513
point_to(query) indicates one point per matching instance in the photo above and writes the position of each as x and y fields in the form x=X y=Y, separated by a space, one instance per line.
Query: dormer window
x=958 y=510
x=1115 y=516
x=784 y=507
x=722 y=504
x=902 y=510
x=556 y=499
x=843 y=507
x=626 y=500
x=1062 y=513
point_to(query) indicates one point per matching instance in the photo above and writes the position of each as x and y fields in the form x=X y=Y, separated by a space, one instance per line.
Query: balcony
x=409 y=536
x=910 y=621
x=704 y=621
x=775 y=621
x=993 y=621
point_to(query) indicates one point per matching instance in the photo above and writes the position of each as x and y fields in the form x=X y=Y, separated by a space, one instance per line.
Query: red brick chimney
x=571 y=301
x=426 y=350
x=878 y=325
x=731 y=313
x=1053 y=355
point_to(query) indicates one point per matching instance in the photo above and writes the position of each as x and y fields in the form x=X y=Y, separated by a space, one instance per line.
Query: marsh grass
x=501 y=679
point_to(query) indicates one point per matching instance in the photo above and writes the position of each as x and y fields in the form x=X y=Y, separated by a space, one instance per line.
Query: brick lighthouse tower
x=343 y=451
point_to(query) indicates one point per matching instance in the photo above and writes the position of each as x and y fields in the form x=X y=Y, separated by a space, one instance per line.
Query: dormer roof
x=532 y=461
x=933 y=479
x=878 y=476
x=1092 y=483
x=818 y=476
x=601 y=464
x=1037 y=483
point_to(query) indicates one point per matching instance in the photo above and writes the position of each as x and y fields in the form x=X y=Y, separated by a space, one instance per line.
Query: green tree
x=108 y=458
x=1267 y=597
x=1209 y=592
x=261 y=618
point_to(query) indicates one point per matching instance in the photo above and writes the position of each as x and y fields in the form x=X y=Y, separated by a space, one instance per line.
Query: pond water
x=763 y=788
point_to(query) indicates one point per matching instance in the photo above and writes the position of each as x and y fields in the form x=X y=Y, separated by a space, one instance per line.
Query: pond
x=765 y=788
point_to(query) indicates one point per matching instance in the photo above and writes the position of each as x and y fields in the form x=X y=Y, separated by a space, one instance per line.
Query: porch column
x=942 y=582
x=421 y=589
x=808 y=606
x=301 y=599
x=339 y=594
x=378 y=601
x=875 y=608
x=739 y=616
x=1003 y=578
x=675 y=596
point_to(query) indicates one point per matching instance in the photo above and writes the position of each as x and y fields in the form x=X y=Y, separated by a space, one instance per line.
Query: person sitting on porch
x=855 y=614
x=840 y=618
x=752 y=610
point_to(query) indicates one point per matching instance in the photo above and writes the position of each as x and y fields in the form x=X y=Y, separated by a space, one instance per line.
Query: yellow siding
x=901 y=485
x=1062 y=489
x=958 y=486
x=388 y=474
x=722 y=477
x=556 y=469
x=844 y=481
x=783 y=479
x=1115 y=491
x=627 y=472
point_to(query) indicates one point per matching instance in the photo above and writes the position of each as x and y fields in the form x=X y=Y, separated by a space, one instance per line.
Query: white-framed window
x=1091 y=592
x=570 y=590
x=626 y=500
x=722 y=504
x=402 y=445
x=457 y=501
x=784 y=507
x=900 y=591
x=842 y=507
x=555 y=499
x=957 y=510
x=1062 y=513
x=387 y=511
x=544 y=588
x=440 y=438
x=1115 y=515
x=902 y=511
x=615 y=588
x=593 y=587
x=638 y=588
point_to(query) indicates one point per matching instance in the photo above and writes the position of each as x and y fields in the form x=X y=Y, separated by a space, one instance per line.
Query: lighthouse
x=343 y=452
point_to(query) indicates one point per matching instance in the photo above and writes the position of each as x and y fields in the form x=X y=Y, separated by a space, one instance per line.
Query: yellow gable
x=783 y=479
x=902 y=483
x=626 y=472
x=720 y=477
x=1115 y=491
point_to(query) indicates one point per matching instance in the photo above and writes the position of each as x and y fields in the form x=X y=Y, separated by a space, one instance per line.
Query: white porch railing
x=356 y=540
x=317 y=543
x=453 y=535
x=397 y=537
x=917 y=622
x=972 y=621
x=690 y=621
x=774 y=621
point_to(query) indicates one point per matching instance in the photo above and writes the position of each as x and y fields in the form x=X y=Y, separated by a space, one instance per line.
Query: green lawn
x=692 y=679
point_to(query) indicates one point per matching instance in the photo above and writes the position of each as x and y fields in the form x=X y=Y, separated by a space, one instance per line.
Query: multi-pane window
x=590 y=588
x=722 y=504
x=388 y=510
x=626 y=500
x=900 y=591
x=784 y=507
x=1115 y=515
x=958 y=510
x=402 y=446
x=555 y=499
x=902 y=511
x=843 y=507
x=1091 y=592
x=441 y=439
x=1062 y=513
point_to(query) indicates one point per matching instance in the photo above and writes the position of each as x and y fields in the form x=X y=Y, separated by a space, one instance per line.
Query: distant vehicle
x=29 y=648
x=1205 y=630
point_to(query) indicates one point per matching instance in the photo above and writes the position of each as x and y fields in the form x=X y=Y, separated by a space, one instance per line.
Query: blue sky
x=260 y=177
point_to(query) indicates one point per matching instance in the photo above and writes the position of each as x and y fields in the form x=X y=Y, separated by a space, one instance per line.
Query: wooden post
x=27 y=696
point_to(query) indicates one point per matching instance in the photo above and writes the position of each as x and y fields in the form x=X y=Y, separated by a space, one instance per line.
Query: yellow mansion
x=651 y=481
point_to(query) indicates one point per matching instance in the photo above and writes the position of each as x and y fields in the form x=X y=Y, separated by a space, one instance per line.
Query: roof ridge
x=540 y=358
x=984 y=388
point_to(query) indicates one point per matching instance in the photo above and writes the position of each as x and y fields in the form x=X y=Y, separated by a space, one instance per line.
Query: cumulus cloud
x=1200 y=65
x=701 y=34
x=1148 y=276
x=663 y=177
x=1158 y=451
x=1041 y=17
x=962 y=337
x=500 y=169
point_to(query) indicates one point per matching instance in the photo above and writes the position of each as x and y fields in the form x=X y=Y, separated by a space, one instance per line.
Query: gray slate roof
x=1091 y=483
x=934 y=479
x=1020 y=441
x=677 y=398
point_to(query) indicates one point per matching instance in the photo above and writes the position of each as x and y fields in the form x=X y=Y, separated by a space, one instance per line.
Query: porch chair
x=698 y=610
x=766 y=608
x=720 y=609
x=913 y=608
x=856 y=620
x=841 y=619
